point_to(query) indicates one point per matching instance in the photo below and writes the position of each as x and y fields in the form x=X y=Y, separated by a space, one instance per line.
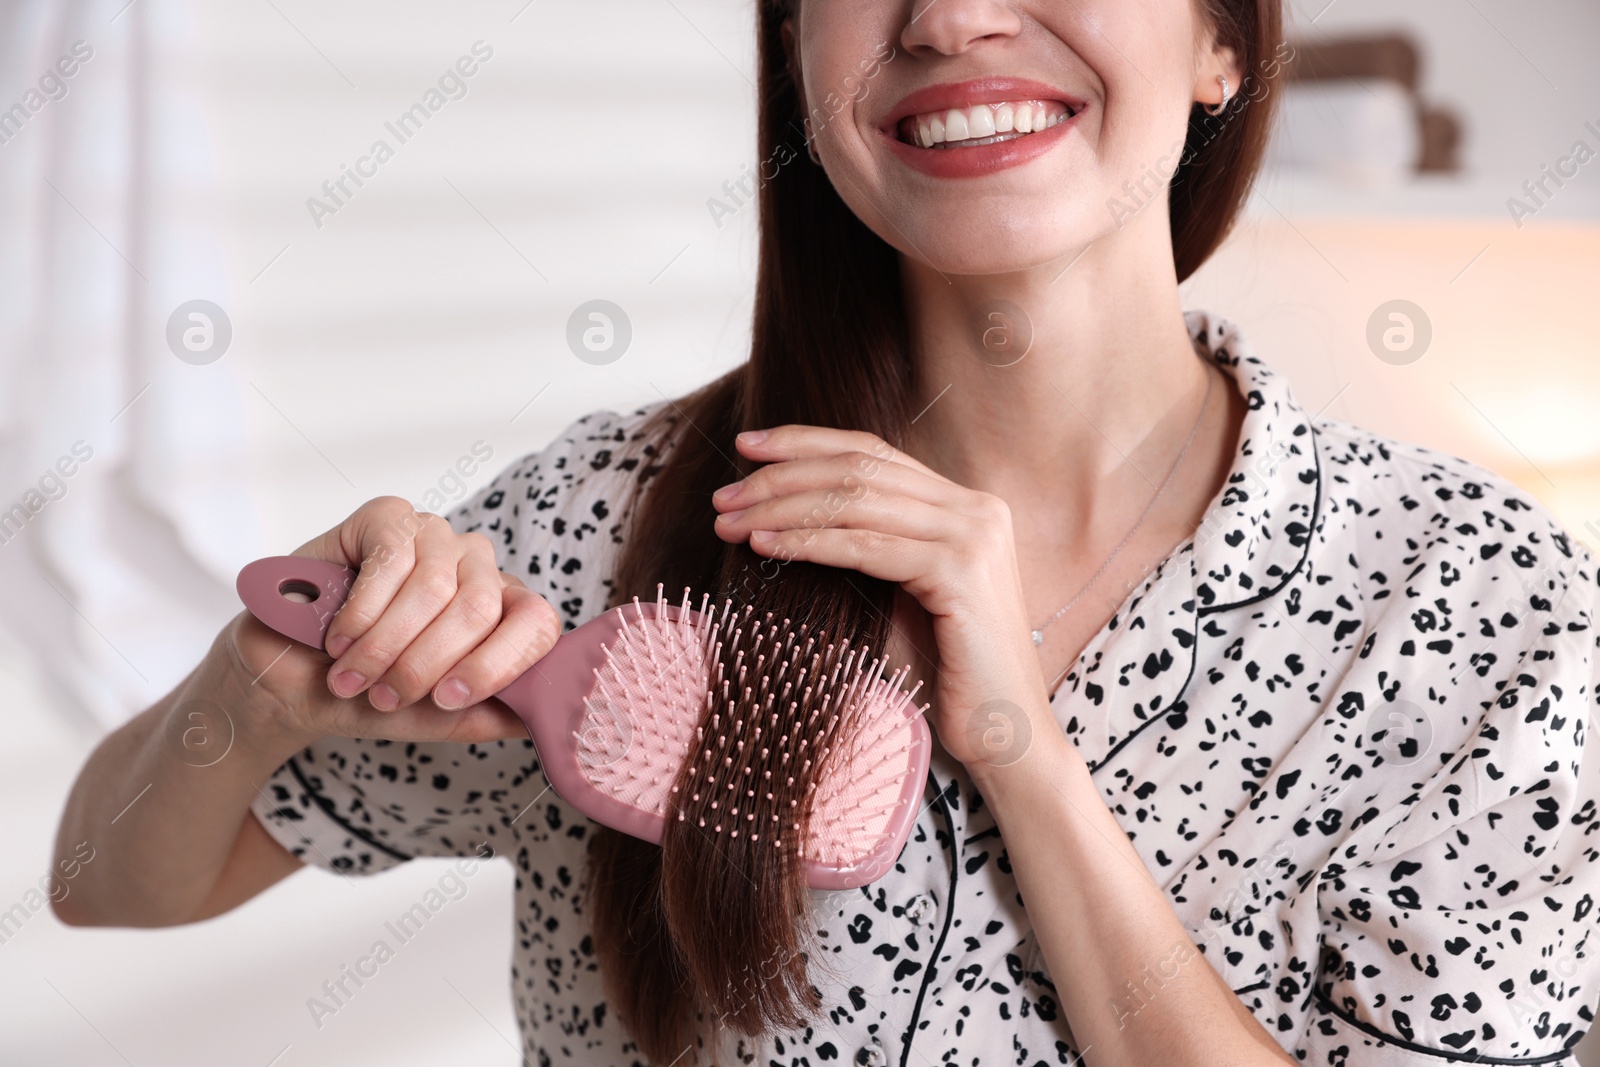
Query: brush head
x=633 y=705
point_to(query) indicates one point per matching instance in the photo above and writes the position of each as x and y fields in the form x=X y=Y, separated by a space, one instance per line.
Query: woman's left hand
x=848 y=499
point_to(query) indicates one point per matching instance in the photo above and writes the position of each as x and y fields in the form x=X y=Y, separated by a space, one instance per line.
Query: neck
x=1078 y=432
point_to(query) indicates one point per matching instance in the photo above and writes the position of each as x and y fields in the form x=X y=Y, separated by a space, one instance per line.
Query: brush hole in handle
x=295 y=595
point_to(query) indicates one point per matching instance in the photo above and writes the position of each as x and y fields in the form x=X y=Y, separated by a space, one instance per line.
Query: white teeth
x=983 y=123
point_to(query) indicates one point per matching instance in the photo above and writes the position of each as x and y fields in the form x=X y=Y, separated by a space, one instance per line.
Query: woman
x=1261 y=739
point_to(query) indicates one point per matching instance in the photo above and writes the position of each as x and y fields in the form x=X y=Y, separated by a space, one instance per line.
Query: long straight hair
x=711 y=931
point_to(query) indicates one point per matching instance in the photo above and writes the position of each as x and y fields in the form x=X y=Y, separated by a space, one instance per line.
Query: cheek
x=846 y=48
x=1137 y=58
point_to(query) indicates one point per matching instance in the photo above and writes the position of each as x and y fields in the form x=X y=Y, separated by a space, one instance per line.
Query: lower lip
x=983 y=159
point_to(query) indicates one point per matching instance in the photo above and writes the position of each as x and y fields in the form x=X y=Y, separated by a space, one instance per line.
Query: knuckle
x=387 y=507
x=437 y=587
x=542 y=626
x=354 y=619
x=546 y=620
x=408 y=677
x=481 y=604
x=376 y=656
x=994 y=510
x=865 y=543
x=477 y=545
x=856 y=460
x=759 y=480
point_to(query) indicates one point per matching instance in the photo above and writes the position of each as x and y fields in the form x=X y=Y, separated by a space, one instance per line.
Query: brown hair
x=711 y=928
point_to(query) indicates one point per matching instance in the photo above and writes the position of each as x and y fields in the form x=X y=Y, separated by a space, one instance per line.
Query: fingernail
x=761 y=537
x=728 y=492
x=727 y=517
x=451 y=694
x=384 y=698
x=339 y=644
x=752 y=437
x=348 y=683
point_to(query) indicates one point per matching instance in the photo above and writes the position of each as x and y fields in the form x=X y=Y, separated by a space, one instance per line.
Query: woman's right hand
x=431 y=629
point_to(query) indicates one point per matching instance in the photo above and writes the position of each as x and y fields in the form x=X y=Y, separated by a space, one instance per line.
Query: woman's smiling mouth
x=996 y=123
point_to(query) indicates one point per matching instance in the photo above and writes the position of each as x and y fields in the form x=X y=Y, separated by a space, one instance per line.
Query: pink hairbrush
x=614 y=709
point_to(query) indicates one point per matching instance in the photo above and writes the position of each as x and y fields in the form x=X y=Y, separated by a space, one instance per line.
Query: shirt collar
x=1253 y=539
x=1256 y=534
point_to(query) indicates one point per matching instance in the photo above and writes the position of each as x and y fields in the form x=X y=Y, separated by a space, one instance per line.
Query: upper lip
x=977 y=91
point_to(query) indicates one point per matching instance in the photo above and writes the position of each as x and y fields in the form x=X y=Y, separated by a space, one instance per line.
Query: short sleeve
x=1465 y=933
x=359 y=806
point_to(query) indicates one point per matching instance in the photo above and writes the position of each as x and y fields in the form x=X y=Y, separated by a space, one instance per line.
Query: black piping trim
x=1264 y=983
x=327 y=807
x=1311 y=531
x=1200 y=613
x=1458 y=1057
x=1177 y=700
x=944 y=932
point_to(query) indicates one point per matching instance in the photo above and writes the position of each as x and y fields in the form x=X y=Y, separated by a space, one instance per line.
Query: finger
x=875 y=554
x=528 y=629
x=819 y=509
x=479 y=723
x=377 y=539
x=471 y=615
x=797 y=441
x=425 y=593
x=851 y=474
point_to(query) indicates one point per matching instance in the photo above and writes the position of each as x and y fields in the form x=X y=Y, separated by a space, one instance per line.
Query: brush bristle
x=663 y=679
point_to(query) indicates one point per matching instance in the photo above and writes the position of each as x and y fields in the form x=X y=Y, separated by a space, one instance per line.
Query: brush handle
x=296 y=596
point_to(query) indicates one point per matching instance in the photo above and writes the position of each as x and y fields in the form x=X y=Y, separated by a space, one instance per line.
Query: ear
x=791 y=52
x=1217 y=60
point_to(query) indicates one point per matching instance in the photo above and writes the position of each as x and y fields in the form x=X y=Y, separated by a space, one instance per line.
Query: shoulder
x=1443 y=518
x=1467 y=863
x=604 y=446
x=557 y=516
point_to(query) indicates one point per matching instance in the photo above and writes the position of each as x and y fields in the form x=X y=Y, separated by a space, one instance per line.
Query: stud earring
x=1220 y=108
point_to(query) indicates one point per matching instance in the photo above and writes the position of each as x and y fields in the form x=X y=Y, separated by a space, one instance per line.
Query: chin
x=995 y=237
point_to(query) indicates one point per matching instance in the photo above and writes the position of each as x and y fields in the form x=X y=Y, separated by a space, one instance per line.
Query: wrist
x=1046 y=761
x=254 y=716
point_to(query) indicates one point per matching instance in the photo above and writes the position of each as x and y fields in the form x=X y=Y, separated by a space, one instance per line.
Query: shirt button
x=872 y=1054
x=918 y=908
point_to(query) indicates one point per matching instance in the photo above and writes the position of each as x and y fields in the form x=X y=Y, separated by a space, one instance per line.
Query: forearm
x=158 y=805
x=1133 y=985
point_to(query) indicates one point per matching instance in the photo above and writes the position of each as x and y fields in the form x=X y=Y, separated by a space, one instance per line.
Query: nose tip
x=950 y=27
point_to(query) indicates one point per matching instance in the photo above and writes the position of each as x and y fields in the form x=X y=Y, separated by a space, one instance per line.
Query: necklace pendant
x=1038 y=637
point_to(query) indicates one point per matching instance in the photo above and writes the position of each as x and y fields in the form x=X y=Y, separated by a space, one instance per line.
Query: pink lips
x=976 y=161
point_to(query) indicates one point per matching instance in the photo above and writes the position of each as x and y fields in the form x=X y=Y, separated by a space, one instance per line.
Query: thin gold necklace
x=1038 y=632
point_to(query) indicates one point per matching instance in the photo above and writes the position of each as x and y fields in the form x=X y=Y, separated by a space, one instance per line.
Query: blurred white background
x=428 y=315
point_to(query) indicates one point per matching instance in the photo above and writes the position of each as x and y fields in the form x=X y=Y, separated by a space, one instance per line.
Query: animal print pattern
x=1345 y=726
